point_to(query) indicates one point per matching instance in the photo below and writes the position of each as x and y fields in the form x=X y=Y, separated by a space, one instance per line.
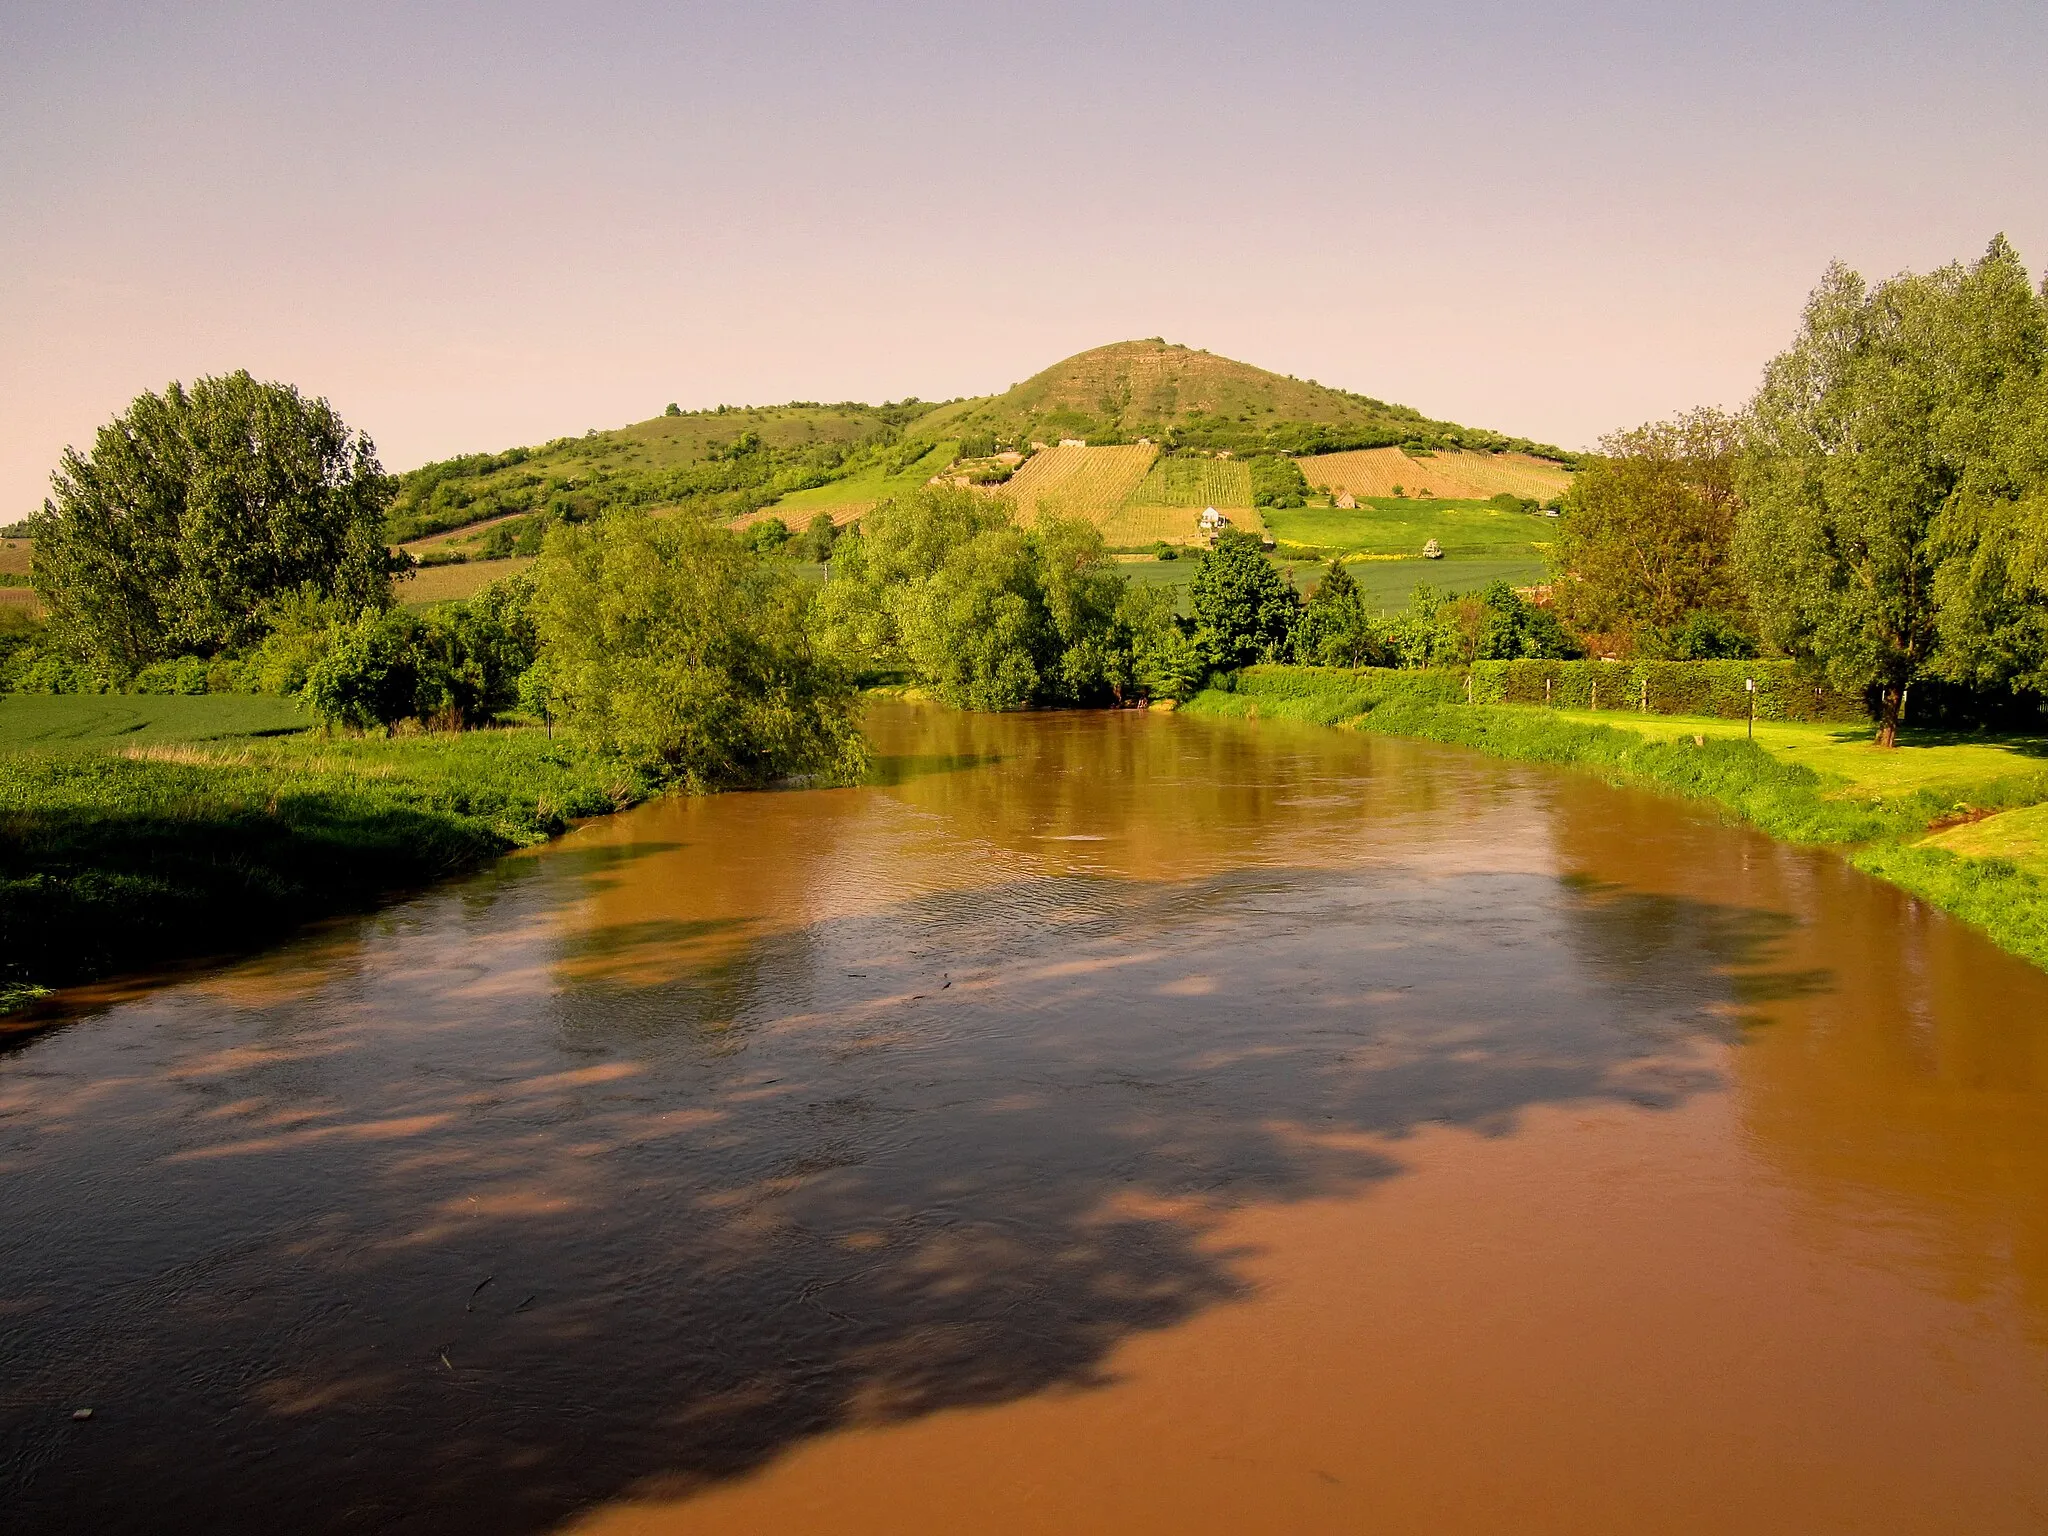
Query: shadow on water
x=479 y=1232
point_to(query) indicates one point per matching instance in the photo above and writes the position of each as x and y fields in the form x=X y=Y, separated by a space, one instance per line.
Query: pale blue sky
x=477 y=225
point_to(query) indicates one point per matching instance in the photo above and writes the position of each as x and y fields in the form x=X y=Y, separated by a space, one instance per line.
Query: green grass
x=116 y=861
x=869 y=485
x=50 y=720
x=1815 y=784
x=1387 y=584
x=1389 y=525
x=1848 y=756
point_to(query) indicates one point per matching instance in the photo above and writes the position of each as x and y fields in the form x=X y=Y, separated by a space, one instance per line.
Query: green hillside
x=724 y=462
x=1182 y=397
x=805 y=456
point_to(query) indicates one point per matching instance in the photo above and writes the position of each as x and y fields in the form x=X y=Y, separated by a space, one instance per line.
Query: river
x=1102 y=1123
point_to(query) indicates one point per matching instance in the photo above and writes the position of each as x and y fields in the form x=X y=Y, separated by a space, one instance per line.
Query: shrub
x=1785 y=690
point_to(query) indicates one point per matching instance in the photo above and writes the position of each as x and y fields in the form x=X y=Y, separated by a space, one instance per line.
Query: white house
x=1211 y=520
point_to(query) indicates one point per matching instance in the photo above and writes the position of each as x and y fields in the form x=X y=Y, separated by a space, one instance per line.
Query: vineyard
x=1197 y=483
x=1136 y=525
x=1078 y=482
x=1452 y=475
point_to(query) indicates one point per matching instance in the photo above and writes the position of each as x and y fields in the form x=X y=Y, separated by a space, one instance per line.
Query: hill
x=1198 y=411
x=1183 y=397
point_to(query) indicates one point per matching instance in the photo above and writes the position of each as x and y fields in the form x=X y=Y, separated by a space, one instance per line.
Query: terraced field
x=1450 y=475
x=1197 y=483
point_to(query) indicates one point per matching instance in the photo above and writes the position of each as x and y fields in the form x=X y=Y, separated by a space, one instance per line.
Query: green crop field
x=1387 y=584
x=1197 y=483
x=1389 y=525
x=124 y=719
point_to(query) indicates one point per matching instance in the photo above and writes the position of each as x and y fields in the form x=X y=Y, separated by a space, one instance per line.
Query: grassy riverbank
x=117 y=857
x=1807 y=783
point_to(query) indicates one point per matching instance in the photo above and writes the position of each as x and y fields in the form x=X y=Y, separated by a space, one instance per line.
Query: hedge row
x=1784 y=689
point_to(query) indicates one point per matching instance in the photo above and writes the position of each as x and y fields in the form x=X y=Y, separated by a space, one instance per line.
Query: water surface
x=1104 y=1123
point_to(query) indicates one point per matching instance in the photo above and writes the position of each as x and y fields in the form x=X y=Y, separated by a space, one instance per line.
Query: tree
x=1335 y=630
x=1648 y=531
x=1891 y=480
x=943 y=584
x=1244 y=609
x=769 y=535
x=669 y=643
x=198 y=509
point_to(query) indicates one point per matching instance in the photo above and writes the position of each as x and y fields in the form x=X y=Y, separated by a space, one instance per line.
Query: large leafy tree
x=1647 y=534
x=668 y=641
x=197 y=509
x=1244 y=609
x=1889 y=484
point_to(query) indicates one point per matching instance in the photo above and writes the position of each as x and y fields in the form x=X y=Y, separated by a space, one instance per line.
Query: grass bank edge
x=1785 y=800
x=116 y=862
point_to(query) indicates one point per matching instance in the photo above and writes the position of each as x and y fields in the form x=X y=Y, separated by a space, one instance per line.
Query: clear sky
x=475 y=225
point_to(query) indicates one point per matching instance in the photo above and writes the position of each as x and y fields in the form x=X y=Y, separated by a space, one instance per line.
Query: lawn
x=1389 y=525
x=30 y=720
x=2020 y=836
x=1847 y=756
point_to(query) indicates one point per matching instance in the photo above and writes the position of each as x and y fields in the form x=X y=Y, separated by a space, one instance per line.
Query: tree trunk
x=1888 y=719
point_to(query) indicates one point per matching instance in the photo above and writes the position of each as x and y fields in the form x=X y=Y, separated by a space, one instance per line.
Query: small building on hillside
x=1212 y=521
x=1347 y=501
x=1073 y=442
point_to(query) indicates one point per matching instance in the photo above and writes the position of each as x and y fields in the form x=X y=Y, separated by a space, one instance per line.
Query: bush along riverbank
x=118 y=861
x=1881 y=823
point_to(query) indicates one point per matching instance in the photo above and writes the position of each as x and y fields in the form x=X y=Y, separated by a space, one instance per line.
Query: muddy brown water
x=1103 y=1124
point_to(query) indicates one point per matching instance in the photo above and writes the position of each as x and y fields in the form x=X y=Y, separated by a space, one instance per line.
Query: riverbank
x=117 y=856
x=1925 y=817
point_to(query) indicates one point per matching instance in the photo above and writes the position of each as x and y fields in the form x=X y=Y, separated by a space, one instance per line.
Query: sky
x=476 y=225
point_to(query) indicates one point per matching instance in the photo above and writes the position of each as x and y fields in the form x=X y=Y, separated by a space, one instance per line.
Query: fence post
x=1646 y=695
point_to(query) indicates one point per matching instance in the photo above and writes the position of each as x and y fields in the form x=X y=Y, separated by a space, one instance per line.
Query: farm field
x=1136 y=526
x=1389 y=525
x=1387 y=584
x=1078 y=482
x=14 y=558
x=1197 y=483
x=124 y=719
x=1451 y=475
x=445 y=583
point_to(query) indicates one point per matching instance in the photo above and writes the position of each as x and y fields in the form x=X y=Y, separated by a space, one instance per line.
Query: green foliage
x=195 y=510
x=1335 y=628
x=1786 y=690
x=111 y=863
x=1896 y=478
x=819 y=538
x=769 y=535
x=673 y=646
x=978 y=445
x=941 y=582
x=1244 y=609
x=672 y=409
x=1646 y=539
x=1496 y=624
x=452 y=666
x=1277 y=482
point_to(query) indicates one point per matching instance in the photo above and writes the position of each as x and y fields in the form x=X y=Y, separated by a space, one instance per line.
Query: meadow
x=847 y=499
x=1388 y=525
x=127 y=850
x=32 y=720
